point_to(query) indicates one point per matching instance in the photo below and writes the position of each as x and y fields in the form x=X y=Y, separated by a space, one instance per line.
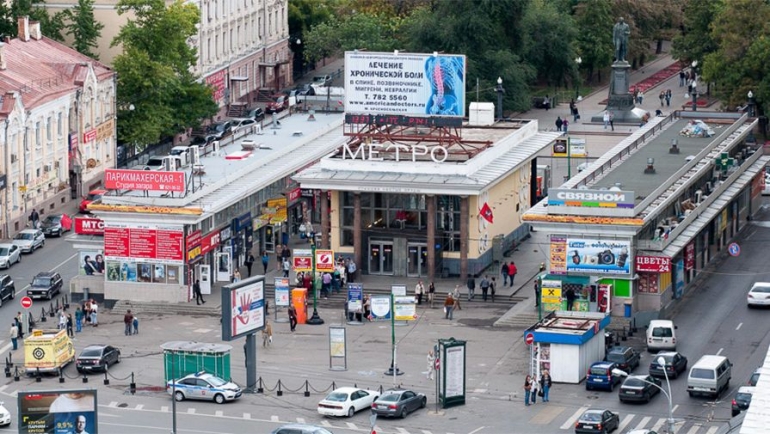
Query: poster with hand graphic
x=247 y=307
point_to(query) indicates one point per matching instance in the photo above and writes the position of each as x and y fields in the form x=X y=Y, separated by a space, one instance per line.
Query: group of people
x=562 y=125
x=665 y=97
x=17 y=331
x=509 y=273
x=534 y=387
x=131 y=323
x=608 y=118
x=420 y=292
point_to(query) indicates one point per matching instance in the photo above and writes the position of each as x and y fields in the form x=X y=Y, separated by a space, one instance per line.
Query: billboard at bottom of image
x=143 y=272
x=58 y=412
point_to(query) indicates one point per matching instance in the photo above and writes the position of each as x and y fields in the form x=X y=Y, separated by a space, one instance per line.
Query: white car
x=29 y=240
x=9 y=254
x=346 y=401
x=5 y=415
x=759 y=294
x=204 y=386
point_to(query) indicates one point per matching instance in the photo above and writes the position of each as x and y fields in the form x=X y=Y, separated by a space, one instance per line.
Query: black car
x=97 y=358
x=597 y=422
x=7 y=289
x=45 y=285
x=675 y=364
x=626 y=358
x=398 y=403
x=742 y=399
x=639 y=388
x=754 y=378
x=52 y=225
x=256 y=113
x=220 y=129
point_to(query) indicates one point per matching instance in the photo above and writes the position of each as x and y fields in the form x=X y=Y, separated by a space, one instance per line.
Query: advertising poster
x=355 y=297
x=91 y=262
x=596 y=257
x=337 y=341
x=247 y=304
x=147 y=180
x=380 y=305
x=550 y=295
x=172 y=275
x=679 y=279
x=281 y=291
x=165 y=244
x=558 y=255
x=224 y=265
x=405 y=308
x=405 y=84
x=454 y=368
x=122 y=271
x=58 y=412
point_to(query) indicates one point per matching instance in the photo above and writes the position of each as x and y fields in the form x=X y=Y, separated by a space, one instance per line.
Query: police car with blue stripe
x=202 y=385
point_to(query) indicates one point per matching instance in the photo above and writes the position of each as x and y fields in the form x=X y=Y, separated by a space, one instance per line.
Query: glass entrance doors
x=381 y=257
x=417 y=260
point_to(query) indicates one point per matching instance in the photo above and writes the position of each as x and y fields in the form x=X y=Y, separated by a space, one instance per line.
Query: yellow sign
x=105 y=130
x=550 y=292
x=723 y=220
x=22 y=188
x=145 y=209
x=277 y=203
x=619 y=221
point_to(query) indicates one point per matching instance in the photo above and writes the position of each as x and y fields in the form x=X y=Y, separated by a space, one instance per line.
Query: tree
x=50 y=25
x=357 y=31
x=84 y=29
x=548 y=46
x=695 y=40
x=154 y=71
x=595 y=20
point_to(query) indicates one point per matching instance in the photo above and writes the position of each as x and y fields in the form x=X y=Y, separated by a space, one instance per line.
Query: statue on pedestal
x=620 y=34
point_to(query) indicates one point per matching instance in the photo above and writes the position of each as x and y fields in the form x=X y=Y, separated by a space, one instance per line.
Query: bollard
x=260 y=388
x=380 y=389
x=66 y=301
x=307 y=390
x=280 y=392
x=106 y=380
x=37 y=375
x=630 y=331
x=7 y=371
x=42 y=314
x=624 y=338
x=16 y=374
x=61 y=375
x=633 y=321
x=85 y=378
x=51 y=312
x=355 y=385
x=132 y=385
x=334 y=386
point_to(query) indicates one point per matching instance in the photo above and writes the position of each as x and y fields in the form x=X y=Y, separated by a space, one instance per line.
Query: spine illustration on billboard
x=446 y=78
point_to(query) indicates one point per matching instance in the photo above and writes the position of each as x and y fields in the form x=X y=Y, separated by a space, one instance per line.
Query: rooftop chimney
x=3 y=65
x=34 y=30
x=24 y=29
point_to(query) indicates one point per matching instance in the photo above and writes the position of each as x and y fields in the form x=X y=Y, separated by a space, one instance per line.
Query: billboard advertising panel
x=591 y=256
x=162 y=243
x=58 y=412
x=405 y=84
x=150 y=180
x=243 y=308
x=89 y=226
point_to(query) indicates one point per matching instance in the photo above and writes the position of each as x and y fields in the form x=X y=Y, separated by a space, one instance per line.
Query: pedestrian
x=471 y=287
x=570 y=294
x=265 y=260
x=640 y=97
x=70 y=331
x=286 y=253
x=533 y=390
x=636 y=94
x=537 y=294
x=668 y=97
x=449 y=305
x=558 y=123
x=236 y=276
x=571 y=105
x=336 y=280
x=606 y=118
x=136 y=325
x=128 y=322
x=547 y=103
x=19 y=319
x=612 y=120
x=14 y=333
x=62 y=319
x=456 y=297
x=545 y=385
x=484 y=287
x=512 y=270
x=286 y=267
x=492 y=286
x=351 y=271
x=575 y=114
x=306 y=281
x=662 y=97
x=367 y=308
x=419 y=290
x=78 y=320
x=197 y=292
x=504 y=272
x=431 y=364
x=681 y=78
x=278 y=256
x=527 y=389
x=249 y=262
x=34 y=218
x=326 y=284
x=565 y=126
x=267 y=334
x=292 y=317
x=431 y=293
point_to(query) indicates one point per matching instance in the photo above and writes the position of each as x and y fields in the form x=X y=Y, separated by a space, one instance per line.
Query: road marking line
x=219 y=413
x=164 y=409
x=74 y=255
x=479 y=391
x=546 y=415
x=190 y=411
x=300 y=420
x=658 y=425
x=3 y=387
x=572 y=419
x=274 y=419
x=326 y=424
x=645 y=421
x=694 y=429
x=626 y=420
x=477 y=430
x=720 y=351
x=139 y=407
x=426 y=432
x=739 y=326
x=351 y=425
x=247 y=415
x=673 y=410
x=712 y=430
x=403 y=431
x=113 y=404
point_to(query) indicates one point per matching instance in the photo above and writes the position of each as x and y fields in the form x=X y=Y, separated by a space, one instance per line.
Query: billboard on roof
x=405 y=84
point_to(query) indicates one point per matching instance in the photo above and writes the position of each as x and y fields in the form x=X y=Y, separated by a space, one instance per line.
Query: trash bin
x=627 y=309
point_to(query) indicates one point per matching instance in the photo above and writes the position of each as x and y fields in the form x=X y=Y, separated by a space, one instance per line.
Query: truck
x=47 y=351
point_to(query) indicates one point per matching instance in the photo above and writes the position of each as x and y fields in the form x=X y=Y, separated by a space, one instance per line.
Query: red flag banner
x=486 y=213
x=66 y=222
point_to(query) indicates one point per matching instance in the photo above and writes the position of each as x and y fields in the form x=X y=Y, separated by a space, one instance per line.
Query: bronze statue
x=620 y=34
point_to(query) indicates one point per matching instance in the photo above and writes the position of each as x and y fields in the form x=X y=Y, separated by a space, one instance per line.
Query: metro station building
x=645 y=219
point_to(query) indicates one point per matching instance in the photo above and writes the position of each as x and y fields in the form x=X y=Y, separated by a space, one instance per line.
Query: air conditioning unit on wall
x=48 y=167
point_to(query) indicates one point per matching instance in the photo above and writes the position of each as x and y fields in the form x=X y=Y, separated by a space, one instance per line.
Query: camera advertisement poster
x=597 y=256
x=58 y=412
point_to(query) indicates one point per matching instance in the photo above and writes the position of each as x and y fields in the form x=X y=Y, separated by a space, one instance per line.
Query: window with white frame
x=48 y=129
x=38 y=134
x=59 y=124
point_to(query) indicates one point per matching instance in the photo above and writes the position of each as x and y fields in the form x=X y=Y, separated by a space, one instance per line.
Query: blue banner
x=355 y=297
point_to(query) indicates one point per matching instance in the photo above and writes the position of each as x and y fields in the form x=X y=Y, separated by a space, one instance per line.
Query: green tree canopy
x=548 y=41
x=83 y=28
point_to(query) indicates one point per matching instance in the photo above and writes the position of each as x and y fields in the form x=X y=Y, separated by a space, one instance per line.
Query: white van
x=709 y=376
x=661 y=335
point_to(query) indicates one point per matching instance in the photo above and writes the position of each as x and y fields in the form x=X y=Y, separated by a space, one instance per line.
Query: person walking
x=533 y=391
x=70 y=330
x=249 y=262
x=504 y=272
x=19 y=322
x=292 y=317
x=236 y=276
x=136 y=325
x=431 y=364
x=527 y=389
x=14 y=333
x=449 y=305
x=456 y=297
x=286 y=267
x=34 y=218
x=128 y=322
x=78 y=320
x=492 y=286
x=512 y=270
x=419 y=290
x=537 y=294
x=558 y=123
x=484 y=287
x=612 y=121
x=640 y=97
x=197 y=292
x=570 y=294
x=575 y=114
x=565 y=126
x=669 y=94
x=662 y=97
x=545 y=384
x=267 y=334
x=431 y=293
x=681 y=78
x=547 y=103
x=606 y=118
x=265 y=260
x=471 y=287
x=62 y=319
x=351 y=271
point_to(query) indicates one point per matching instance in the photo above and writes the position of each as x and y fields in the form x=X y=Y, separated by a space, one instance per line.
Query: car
x=300 y=428
x=639 y=388
x=398 y=403
x=155 y=163
x=322 y=80
x=202 y=385
x=5 y=415
x=304 y=89
x=52 y=225
x=243 y=124
x=600 y=376
x=97 y=358
x=742 y=399
x=45 y=285
x=627 y=358
x=9 y=254
x=279 y=103
x=29 y=240
x=759 y=295
x=92 y=196
x=256 y=113
x=754 y=378
x=675 y=364
x=7 y=288
x=220 y=129
x=346 y=401
x=597 y=421
x=202 y=141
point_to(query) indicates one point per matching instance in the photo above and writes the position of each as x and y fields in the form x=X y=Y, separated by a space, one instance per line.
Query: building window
x=48 y=129
x=270 y=24
x=38 y=138
x=386 y=211
x=59 y=124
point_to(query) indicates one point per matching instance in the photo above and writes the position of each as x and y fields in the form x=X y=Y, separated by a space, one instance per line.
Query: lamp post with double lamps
x=751 y=103
x=578 y=61
x=694 y=86
x=500 y=91
x=662 y=363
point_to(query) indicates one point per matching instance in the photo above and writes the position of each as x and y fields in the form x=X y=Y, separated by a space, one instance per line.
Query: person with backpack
x=512 y=270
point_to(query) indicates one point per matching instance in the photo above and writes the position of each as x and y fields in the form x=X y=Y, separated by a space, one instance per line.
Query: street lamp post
x=315 y=319
x=751 y=103
x=694 y=86
x=662 y=363
x=500 y=91
x=578 y=61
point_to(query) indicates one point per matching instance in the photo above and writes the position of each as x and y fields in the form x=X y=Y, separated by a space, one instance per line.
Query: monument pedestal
x=620 y=102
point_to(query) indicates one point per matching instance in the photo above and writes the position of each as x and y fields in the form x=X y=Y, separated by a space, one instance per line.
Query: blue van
x=600 y=376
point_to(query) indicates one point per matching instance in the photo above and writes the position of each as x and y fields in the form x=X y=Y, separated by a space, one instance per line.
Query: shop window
x=648 y=283
x=347 y=237
x=347 y=217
